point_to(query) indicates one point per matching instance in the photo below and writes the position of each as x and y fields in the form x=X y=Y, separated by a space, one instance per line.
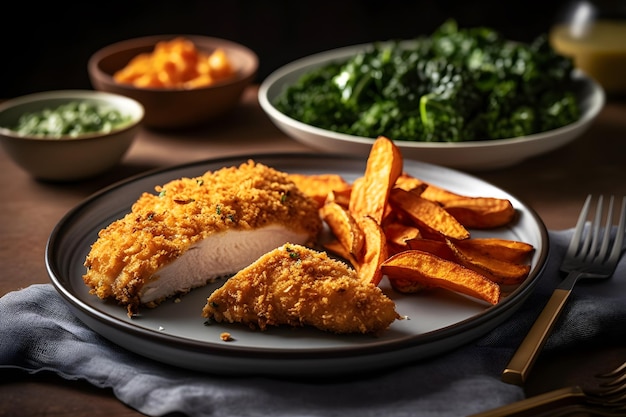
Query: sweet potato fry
x=427 y=214
x=406 y=286
x=317 y=186
x=408 y=182
x=343 y=226
x=503 y=249
x=427 y=190
x=471 y=212
x=481 y=212
x=436 y=247
x=336 y=248
x=441 y=195
x=341 y=197
x=388 y=222
x=497 y=270
x=374 y=251
x=398 y=234
x=430 y=270
x=370 y=195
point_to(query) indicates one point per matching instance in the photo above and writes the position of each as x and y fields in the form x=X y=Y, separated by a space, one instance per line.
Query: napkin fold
x=38 y=332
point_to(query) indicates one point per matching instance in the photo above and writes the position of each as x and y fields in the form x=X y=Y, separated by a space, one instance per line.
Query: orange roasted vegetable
x=388 y=222
x=398 y=235
x=344 y=227
x=341 y=197
x=497 y=270
x=319 y=186
x=374 y=252
x=427 y=214
x=431 y=271
x=409 y=183
x=335 y=247
x=436 y=247
x=176 y=64
x=503 y=249
x=370 y=194
x=481 y=212
x=471 y=212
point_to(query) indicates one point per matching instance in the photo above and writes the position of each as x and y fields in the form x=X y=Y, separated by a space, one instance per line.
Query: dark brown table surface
x=554 y=185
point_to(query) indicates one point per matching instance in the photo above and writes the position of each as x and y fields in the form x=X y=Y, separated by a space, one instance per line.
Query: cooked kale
x=455 y=85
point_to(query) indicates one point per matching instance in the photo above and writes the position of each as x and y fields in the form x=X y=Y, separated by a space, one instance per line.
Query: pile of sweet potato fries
x=388 y=223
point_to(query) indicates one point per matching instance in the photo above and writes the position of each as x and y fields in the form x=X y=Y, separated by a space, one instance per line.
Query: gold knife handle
x=526 y=354
x=537 y=404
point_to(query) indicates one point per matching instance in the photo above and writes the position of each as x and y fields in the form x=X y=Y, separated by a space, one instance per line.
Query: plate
x=176 y=334
x=471 y=156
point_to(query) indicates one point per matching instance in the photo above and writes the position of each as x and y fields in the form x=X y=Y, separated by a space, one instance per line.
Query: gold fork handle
x=537 y=404
x=526 y=354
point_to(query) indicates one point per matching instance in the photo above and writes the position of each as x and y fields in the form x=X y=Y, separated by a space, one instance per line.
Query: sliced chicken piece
x=297 y=286
x=195 y=230
x=218 y=255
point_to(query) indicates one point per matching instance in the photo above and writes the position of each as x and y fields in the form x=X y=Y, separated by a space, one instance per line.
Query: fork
x=592 y=254
x=608 y=399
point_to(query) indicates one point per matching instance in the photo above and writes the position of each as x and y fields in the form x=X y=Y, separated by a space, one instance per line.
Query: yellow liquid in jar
x=599 y=50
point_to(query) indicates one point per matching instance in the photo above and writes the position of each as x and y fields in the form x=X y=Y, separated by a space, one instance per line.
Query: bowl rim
x=243 y=75
x=595 y=102
x=137 y=115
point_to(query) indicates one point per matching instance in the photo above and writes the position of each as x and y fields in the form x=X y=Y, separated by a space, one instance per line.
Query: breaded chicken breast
x=297 y=286
x=194 y=230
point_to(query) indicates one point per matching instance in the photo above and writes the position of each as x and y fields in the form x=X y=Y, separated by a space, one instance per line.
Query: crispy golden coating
x=162 y=226
x=298 y=286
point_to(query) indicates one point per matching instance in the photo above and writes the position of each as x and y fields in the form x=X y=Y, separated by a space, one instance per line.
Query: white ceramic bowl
x=68 y=158
x=471 y=156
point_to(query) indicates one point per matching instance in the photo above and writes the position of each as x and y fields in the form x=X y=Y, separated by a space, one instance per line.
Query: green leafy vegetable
x=72 y=119
x=456 y=85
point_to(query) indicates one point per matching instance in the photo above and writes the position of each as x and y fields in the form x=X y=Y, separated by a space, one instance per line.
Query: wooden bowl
x=175 y=107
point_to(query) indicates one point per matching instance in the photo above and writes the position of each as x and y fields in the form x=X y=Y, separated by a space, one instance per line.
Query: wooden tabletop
x=554 y=185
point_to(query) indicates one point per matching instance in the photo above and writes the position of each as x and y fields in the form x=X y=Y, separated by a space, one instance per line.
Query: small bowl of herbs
x=69 y=135
x=465 y=98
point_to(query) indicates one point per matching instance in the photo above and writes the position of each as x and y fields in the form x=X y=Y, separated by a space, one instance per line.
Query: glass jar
x=593 y=33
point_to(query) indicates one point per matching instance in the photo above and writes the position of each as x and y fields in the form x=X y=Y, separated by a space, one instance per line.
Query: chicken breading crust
x=298 y=286
x=162 y=226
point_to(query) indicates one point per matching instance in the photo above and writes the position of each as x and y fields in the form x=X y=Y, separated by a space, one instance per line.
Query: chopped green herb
x=71 y=119
x=292 y=254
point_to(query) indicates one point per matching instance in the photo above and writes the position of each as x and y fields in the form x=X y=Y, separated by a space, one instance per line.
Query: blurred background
x=47 y=45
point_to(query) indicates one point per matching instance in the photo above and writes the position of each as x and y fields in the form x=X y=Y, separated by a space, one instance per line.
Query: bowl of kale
x=465 y=98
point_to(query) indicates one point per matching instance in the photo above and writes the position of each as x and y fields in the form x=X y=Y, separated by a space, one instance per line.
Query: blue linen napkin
x=39 y=333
